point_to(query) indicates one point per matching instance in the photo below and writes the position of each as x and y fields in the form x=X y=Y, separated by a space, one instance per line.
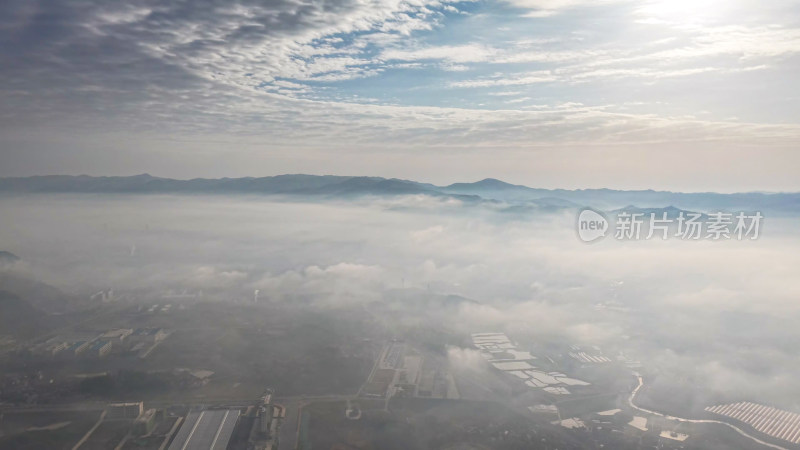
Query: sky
x=686 y=95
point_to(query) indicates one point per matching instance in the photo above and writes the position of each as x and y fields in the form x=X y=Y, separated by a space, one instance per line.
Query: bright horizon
x=655 y=94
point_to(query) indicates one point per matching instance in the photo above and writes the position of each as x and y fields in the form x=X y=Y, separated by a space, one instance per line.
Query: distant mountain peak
x=486 y=183
x=493 y=182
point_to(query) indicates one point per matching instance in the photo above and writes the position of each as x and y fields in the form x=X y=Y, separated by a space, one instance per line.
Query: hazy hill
x=618 y=199
x=342 y=186
x=19 y=318
x=671 y=212
x=29 y=307
x=41 y=296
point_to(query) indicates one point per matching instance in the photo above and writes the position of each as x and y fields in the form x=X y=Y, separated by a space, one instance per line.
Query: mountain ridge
x=488 y=189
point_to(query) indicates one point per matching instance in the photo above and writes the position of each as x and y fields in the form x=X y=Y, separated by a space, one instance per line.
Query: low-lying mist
x=717 y=318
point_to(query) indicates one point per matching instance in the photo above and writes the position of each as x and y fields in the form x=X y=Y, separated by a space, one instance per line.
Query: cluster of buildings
x=504 y=356
x=213 y=429
x=144 y=420
x=73 y=348
x=217 y=428
x=661 y=435
x=269 y=416
x=139 y=340
x=594 y=356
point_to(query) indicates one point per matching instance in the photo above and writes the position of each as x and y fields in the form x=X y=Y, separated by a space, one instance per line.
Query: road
x=681 y=419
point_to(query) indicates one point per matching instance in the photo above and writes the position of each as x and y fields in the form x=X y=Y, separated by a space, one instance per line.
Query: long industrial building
x=206 y=430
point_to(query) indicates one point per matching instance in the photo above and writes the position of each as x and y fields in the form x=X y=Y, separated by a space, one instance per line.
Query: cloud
x=454 y=54
x=542 y=76
x=339 y=284
x=547 y=8
x=725 y=310
x=92 y=86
